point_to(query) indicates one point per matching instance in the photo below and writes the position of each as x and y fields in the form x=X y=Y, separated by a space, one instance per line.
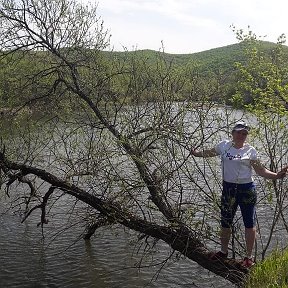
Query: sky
x=189 y=26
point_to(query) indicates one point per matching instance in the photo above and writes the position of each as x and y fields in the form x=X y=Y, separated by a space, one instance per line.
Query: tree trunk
x=180 y=238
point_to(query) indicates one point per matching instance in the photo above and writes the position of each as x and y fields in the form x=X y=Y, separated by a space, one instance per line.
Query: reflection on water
x=28 y=260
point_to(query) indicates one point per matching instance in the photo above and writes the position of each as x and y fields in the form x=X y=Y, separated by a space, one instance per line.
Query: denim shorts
x=242 y=195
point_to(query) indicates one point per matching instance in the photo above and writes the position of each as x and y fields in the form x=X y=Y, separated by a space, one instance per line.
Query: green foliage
x=185 y=75
x=272 y=272
x=262 y=80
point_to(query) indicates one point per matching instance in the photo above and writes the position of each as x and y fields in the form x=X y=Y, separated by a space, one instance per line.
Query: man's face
x=239 y=136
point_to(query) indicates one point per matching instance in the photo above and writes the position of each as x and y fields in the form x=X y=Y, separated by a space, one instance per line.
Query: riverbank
x=272 y=272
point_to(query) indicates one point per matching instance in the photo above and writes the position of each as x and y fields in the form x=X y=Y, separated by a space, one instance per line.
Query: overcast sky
x=188 y=26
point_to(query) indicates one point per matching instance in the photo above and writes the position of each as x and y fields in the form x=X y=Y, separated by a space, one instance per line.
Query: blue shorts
x=242 y=195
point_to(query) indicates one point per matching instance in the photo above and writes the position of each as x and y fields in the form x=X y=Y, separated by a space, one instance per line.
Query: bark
x=91 y=228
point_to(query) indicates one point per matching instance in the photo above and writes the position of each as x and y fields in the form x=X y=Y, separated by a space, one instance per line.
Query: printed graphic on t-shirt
x=231 y=157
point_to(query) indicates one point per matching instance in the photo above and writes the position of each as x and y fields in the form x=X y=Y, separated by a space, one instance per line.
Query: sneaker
x=219 y=255
x=248 y=262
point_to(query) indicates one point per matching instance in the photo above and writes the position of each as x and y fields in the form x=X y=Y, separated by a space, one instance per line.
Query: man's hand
x=282 y=173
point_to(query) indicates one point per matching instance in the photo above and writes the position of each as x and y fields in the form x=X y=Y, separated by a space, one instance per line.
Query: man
x=238 y=157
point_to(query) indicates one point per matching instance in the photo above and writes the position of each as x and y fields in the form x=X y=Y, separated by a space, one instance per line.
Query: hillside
x=217 y=59
x=209 y=67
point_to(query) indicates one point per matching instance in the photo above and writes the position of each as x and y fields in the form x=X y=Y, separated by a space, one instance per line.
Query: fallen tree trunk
x=178 y=237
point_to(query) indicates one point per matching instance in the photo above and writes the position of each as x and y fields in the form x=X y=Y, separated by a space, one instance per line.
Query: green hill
x=210 y=68
x=217 y=59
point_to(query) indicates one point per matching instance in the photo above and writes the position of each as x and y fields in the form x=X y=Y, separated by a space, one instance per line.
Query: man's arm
x=204 y=153
x=262 y=171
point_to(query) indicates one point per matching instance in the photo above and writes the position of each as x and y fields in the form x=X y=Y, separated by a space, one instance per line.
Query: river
x=109 y=260
x=63 y=259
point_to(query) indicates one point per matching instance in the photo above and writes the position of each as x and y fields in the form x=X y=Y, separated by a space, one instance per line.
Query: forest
x=216 y=67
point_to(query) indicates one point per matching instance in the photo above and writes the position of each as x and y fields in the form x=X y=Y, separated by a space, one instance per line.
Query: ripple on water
x=104 y=262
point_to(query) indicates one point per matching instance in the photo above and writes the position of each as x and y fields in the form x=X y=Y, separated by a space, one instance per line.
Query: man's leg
x=228 y=210
x=247 y=204
x=250 y=237
x=225 y=238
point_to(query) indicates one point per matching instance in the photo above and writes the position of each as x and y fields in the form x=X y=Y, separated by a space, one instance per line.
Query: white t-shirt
x=236 y=165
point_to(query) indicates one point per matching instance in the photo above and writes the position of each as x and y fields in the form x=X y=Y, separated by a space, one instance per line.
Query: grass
x=272 y=272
